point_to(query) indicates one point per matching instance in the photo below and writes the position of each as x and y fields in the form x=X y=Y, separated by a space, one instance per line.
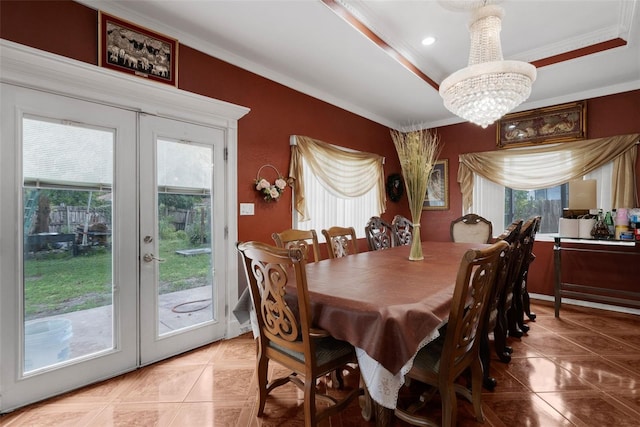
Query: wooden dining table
x=386 y=306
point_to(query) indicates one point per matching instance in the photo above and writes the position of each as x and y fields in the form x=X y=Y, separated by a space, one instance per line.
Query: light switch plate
x=246 y=208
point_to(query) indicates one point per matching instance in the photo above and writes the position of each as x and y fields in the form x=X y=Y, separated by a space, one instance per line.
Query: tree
x=177 y=201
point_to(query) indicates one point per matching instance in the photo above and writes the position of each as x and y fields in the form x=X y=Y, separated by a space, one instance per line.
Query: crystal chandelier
x=489 y=87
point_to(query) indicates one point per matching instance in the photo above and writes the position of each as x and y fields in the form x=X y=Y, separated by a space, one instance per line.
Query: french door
x=181 y=236
x=99 y=274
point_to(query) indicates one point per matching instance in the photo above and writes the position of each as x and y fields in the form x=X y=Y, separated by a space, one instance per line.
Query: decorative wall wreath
x=270 y=192
x=395 y=187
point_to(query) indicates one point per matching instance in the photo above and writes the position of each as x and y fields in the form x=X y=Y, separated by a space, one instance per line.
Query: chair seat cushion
x=327 y=350
x=428 y=358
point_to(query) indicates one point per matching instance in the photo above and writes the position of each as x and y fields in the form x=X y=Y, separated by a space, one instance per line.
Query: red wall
x=63 y=27
x=263 y=134
x=278 y=112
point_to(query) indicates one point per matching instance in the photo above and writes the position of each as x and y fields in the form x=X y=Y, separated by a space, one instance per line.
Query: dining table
x=388 y=307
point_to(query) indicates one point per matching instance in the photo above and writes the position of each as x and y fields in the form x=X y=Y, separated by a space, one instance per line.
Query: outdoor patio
x=92 y=331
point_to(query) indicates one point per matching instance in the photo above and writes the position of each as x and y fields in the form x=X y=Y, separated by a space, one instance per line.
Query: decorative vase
x=416 y=244
x=417 y=152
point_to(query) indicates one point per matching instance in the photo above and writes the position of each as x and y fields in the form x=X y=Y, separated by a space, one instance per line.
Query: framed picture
x=437 y=197
x=561 y=123
x=126 y=47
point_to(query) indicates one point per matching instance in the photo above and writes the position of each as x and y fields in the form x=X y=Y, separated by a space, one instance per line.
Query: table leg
x=366 y=403
x=372 y=410
x=557 y=299
x=384 y=416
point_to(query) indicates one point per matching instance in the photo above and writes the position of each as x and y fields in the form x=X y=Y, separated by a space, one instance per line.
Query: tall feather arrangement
x=418 y=151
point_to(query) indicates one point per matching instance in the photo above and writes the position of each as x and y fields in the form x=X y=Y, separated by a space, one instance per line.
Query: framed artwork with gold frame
x=126 y=47
x=560 y=123
x=437 y=197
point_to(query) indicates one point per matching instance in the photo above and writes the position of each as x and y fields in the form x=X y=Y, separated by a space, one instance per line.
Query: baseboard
x=235 y=329
x=589 y=304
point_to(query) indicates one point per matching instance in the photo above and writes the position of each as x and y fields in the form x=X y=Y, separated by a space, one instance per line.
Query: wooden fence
x=65 y=219
x=69 y=218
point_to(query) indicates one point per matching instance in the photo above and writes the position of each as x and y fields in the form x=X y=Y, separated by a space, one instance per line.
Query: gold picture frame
x=129 y=48
x=437 y=197
x=560 y=123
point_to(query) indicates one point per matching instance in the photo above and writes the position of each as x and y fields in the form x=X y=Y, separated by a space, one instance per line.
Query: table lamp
x=582 y=194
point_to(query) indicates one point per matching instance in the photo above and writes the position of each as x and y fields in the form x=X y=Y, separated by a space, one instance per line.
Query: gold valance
x=550 y=165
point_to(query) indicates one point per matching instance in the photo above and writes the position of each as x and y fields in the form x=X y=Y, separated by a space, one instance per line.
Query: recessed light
x=428 y=41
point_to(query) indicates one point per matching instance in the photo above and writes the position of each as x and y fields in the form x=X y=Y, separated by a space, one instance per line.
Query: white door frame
x=32 y=68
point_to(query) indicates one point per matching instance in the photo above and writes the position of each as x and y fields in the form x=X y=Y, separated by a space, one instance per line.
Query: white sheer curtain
x=328 y=209
x=488 y=202
x=334 y=186
x=346 y=173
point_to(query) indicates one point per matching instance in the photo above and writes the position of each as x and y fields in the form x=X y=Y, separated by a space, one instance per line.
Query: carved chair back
x=471 y=228
x=293 y=238
x=403 y=230
x=341 y=241
x=379 y=234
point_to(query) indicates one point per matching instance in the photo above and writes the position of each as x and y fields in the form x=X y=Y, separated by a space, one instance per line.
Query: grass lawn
x=57 y=283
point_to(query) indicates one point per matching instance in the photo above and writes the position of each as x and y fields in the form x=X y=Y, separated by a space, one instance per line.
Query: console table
x=604 y=271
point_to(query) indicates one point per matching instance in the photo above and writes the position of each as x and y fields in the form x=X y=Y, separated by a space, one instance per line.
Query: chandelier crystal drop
x=489 y=87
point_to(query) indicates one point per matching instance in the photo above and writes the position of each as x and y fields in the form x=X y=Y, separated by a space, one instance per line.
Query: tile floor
x=582 y=369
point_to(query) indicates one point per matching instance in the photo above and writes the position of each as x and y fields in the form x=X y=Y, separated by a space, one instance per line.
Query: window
x=612 y=161
x=327 y=209
x=546 y=202
x=503 y=205
x=334 y=186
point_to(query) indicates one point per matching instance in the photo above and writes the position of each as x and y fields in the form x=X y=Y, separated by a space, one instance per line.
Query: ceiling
x=366 y=56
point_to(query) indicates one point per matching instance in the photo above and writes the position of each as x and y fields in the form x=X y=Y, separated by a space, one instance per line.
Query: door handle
x=151 y=257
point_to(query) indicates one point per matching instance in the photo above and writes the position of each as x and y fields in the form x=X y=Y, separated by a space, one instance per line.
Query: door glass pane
x=67 y=270
x=185 y=284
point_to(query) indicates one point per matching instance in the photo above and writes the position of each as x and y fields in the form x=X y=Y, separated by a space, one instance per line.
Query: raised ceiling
x=366 y=56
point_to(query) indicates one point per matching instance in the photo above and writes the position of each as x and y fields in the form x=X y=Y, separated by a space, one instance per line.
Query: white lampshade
x=582 y=194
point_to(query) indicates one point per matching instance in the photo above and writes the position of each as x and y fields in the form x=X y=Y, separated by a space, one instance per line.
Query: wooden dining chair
x=520 y=305
x=379 y=234
x=341 y=241
x=500 y=303
x=504 y=296
x=441 y=362
x=526 y=303
x=293 y=238
x=286 y=333
x=471 y=228
x=402 y=230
